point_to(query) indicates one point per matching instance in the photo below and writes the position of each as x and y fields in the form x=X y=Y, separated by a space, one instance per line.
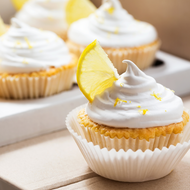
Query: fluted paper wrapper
x=128 y=166
x=143 y=56
x=35 y=87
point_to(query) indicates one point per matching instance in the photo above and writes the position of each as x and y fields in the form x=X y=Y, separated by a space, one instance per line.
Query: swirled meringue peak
x=113 y=27
x=45 y=14
x=136 y=101
x=24 y=49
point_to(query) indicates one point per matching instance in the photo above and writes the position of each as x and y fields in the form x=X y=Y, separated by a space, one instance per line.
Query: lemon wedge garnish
x=77 y=9
x=95 y=71
x=18 y=3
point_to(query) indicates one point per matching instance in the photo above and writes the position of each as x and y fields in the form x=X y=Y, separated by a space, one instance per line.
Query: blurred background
x=171 y=19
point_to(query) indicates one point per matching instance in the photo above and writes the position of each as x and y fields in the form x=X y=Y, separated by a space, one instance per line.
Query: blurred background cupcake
x=34 y=63
x=45 y=14
x=120 y=35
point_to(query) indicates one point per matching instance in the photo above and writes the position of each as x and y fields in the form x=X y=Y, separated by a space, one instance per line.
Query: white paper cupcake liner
x=127 y=166
x=35 y=87
x=143 y=57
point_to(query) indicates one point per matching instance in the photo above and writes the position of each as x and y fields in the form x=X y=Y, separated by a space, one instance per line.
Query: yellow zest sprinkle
x=173 y=91
x=121 y=84
x=108 y=35
x=143 y=111
x=137 y=20
x=110 y=10
x=100 y=19
x=118 y=101
x=27 y=41
x=138 y=106
x=24 y=61
x=18 y=43
x=165 y=110
x=57 y=38
x=129 y=101
x=50 y=17
x=156 y=96
x=116 y=30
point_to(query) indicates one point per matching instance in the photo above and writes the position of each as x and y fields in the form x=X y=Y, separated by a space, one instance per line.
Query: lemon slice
x=77 y=9
x=95 y=71
x=18 y=3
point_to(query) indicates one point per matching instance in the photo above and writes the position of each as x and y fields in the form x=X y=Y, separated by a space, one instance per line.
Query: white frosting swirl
x=24 y=49
x=44 y=14
x=112 y=26
x=161 y=106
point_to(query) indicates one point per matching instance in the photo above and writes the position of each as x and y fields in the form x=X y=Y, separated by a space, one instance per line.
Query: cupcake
x=120 y=35
x=132 y=129
x=46 y=15
x=34 y=63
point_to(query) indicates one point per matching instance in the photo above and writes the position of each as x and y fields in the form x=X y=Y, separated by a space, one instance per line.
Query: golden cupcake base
x=38 y=84
x=142 y=56
x=119 y=138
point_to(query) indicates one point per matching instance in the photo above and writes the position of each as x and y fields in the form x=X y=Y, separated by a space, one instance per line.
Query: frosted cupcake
x=130 y=111
x=120 y=35
x=34 y=63
x=135 y=113
x=133 y=129
x=46 y=15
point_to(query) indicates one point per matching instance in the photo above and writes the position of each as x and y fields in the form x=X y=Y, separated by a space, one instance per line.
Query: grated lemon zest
x=156 y=96
x=24 y=61
x=121 y=84
x=129 y=101
x=118 y=101
x=27 y=41
x=110 y=10
x=173 y=91
x=50 y=17
x=18 y=43
x=109 y=35
x=138 y=106
x=143 y=111
x=116 y=30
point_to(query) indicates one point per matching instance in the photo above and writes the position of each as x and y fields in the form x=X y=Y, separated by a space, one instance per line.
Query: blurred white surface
x=23 y=119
